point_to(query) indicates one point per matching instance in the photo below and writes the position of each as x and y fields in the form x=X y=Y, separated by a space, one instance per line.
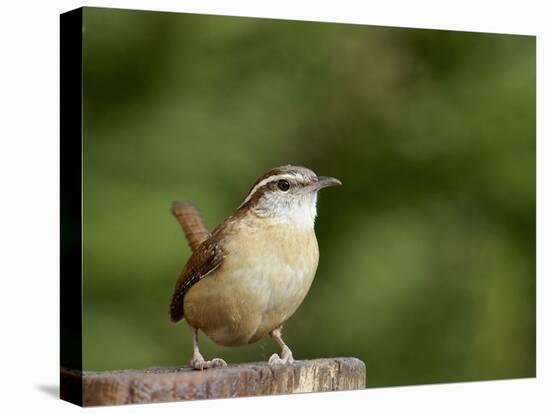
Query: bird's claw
x=218 y=363
x=199 y=363
x=285 y=358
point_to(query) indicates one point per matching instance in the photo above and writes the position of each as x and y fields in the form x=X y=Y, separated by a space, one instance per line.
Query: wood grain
x=176 y=384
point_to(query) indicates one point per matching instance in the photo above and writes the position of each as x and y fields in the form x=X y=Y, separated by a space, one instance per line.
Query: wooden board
x=175 y=384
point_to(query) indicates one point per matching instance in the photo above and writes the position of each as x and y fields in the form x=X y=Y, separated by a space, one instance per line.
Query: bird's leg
x=198 y=361
x=286 y=353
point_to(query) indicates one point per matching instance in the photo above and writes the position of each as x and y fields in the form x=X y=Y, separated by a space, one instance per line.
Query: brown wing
x=204 y=260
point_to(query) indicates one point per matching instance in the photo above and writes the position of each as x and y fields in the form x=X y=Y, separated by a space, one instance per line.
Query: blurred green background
x=427 y=268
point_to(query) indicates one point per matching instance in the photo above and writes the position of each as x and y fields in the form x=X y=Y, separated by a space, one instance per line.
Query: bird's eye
x=283 y=185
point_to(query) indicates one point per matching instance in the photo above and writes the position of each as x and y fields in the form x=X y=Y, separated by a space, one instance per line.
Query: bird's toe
x=218 y=363
x=275 y=359
x=198 y=362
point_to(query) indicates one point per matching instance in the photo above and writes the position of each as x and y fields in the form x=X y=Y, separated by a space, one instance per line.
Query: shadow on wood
x=175 y=384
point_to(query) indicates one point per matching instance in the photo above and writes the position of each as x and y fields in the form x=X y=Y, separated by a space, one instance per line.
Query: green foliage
x=427 y=268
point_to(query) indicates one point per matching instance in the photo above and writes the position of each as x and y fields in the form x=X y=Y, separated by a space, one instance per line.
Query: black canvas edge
x=71 y=25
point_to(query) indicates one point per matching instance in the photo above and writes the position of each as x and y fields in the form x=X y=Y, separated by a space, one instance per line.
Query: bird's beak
x=322 y=182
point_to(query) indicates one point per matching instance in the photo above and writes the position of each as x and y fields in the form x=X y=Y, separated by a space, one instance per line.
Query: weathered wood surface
x=175 y=384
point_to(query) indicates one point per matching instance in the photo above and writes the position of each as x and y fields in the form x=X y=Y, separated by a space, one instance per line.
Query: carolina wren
x=250 y=275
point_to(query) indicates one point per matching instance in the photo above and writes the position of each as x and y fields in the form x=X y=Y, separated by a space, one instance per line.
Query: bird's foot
x=198 y=362
x=285 y=358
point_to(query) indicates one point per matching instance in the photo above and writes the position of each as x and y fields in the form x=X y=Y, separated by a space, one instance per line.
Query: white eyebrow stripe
x=266 y=181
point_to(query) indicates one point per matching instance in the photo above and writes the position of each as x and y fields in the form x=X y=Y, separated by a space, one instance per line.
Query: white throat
x=300 y=212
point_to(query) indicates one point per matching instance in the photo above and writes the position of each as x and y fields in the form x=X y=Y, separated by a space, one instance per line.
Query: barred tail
x=191 y=223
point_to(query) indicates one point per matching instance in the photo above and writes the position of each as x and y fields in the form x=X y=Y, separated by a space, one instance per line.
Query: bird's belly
x=252 y=294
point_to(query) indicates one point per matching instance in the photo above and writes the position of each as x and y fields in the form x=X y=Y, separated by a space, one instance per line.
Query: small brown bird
x=250 y=275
